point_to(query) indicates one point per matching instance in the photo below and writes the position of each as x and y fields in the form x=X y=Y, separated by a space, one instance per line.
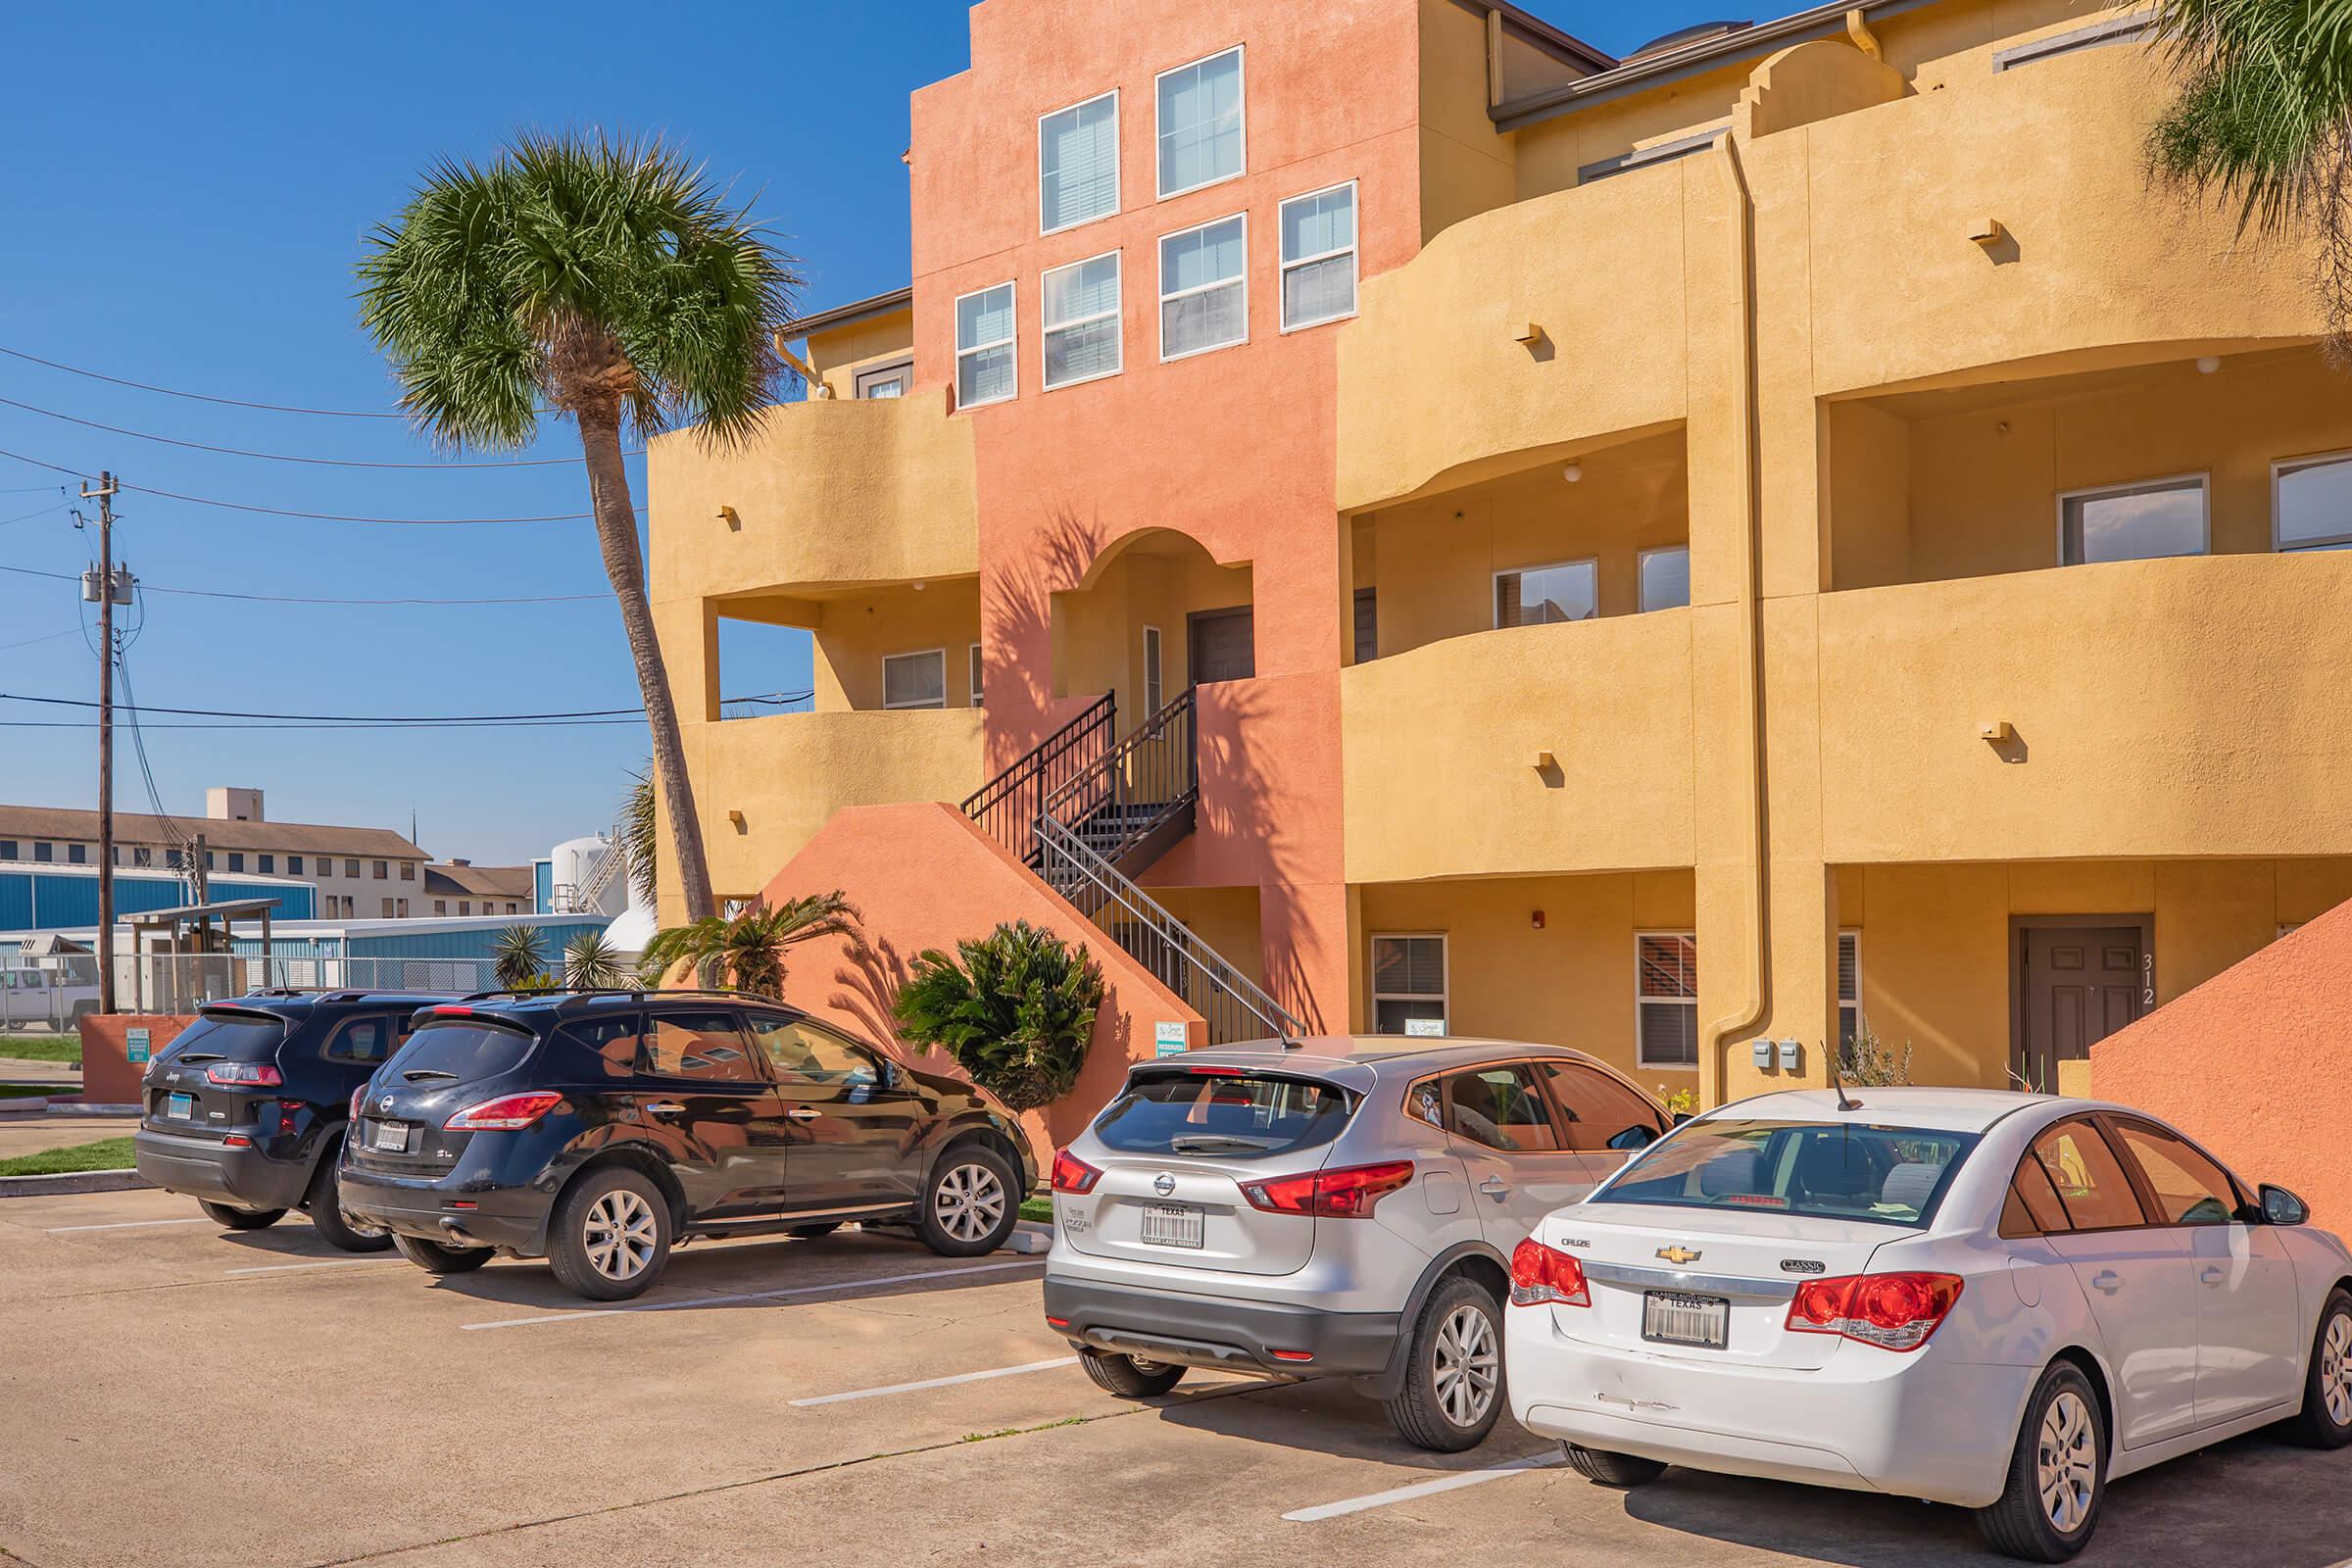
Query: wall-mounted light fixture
x=1988 y=233
x=1996 y=731
x=1527 y=332
x=1572 y=472
x=726 y=514
x=1543 y=761
x=2207 y=363
x=1535 y=921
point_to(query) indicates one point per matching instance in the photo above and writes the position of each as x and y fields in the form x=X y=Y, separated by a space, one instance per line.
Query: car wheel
x=810 y=1233
x=1130 y=1377
x=969 y=1208
x=2325 y=1420
x=326 y=1208
x=610 y=1238
x=2057 y=1473
x=435 y=1259
x=1613 y=1469
x=241 y=1219
x=1453 y=1390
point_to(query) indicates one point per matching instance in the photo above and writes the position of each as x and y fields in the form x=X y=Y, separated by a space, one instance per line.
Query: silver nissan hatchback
x=1335 y=1208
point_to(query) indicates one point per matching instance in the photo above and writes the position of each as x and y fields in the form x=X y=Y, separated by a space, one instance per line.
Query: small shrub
x=1015 y=1009
x=1868 y=1062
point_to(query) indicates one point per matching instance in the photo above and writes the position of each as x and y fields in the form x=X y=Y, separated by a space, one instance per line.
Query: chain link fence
x=181 y=983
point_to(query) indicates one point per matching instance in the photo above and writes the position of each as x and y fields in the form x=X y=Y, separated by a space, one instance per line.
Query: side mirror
x=1638 y=1136
x=2283 y=1207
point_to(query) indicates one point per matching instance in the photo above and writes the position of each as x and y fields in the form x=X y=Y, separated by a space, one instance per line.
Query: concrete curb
x=82 y=1108
x=1030 y=1239
x=33 y=1107
x=78 y=1181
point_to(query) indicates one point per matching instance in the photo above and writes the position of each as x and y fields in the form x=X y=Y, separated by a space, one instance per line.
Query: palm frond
x=516 y=954
x=1015 y=1009
x=751 y=949
x=640 y=832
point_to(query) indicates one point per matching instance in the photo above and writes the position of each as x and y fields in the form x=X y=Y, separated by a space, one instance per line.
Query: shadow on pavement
x=1327 y=1417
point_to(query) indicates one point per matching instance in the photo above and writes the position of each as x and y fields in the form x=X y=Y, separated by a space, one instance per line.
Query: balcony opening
x=871 y=647
x=762 y=669
x=2202 y=455
x=1156 y=613
x=1598 y=531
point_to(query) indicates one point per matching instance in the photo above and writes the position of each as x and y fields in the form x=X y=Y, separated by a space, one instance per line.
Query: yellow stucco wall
x=839 y=355
x=856 y=632
x=1097 y=634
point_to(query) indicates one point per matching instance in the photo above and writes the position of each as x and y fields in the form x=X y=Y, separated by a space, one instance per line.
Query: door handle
x=2213 y=1274
x=2107 y=1279
x=666 y=1107
x=801 y=1113
x=1494 y=1186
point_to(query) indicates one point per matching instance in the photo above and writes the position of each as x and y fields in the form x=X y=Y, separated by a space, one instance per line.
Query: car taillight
x=506 y=1115
x=244 y=1073
x=1540 y=1274
x=1072 y=1174
x=1347 y=1194
x=1893 y=1311
x=359 y=1096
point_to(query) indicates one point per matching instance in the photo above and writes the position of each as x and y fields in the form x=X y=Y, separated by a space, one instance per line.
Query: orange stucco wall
x=107 y=1076
x=2256 y=1063
x=1232 y=448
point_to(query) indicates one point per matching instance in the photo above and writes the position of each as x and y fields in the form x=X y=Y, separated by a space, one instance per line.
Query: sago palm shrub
x=1015 y=1009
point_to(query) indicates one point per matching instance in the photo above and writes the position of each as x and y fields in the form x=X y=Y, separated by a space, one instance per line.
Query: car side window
x=2032 y=1207
x=704 y=1045
x=2092 y=1187
x=2191 y=1189
x=1500 y=1107
x=368 y=1041
x=809 y=1052
x=1598 y=1111
x=612 y=1041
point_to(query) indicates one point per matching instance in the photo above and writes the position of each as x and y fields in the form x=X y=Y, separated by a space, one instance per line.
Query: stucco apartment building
x=1451 y=530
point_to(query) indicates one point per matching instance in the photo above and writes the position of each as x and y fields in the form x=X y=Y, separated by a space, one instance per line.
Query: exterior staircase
x=1088 y=813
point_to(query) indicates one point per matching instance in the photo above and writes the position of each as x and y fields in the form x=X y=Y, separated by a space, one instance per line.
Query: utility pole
x=104 y=495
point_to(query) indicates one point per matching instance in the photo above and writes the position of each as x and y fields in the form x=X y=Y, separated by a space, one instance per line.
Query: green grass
x=1039 y=1209
x=42 y=1048
x=106 y=1154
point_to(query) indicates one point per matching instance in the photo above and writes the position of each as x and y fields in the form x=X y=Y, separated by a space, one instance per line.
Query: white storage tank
x=579 y=881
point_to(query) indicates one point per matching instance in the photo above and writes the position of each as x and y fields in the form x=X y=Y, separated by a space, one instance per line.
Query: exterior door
x=1520 y=1168
x=2079 y=984
x=701 y=1094
x=855 y=1119
x=1224 y=645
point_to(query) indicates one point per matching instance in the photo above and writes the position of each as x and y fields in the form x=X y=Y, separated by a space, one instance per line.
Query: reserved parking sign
x=1168 y=1039
x=134 y=1047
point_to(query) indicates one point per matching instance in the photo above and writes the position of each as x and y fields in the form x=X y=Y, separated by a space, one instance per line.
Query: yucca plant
x=592 y=962
x=611 y=281
x=517 y=956
x=749 y=950
x=1015 y=1009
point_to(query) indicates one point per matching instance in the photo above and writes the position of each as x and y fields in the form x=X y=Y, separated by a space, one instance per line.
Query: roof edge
x=898 y=299
x=1560 y=44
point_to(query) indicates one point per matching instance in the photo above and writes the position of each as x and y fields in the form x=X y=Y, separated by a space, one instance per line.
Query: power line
x=70 y=632
x=338 y=729
x=282 y=457
x=199 y=397
x=315 y=517
x=44 y=511
x=355 y=718
x=304 y=599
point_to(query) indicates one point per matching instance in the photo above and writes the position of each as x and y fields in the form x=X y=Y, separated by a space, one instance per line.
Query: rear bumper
x=511 y=1217
x=1218 y=1332
x=203 y=1167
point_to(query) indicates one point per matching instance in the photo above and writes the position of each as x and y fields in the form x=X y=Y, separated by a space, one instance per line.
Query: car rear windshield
x=1824 y=1170
x=225 y=1036
x=459 y=1051
x=1240 y=1118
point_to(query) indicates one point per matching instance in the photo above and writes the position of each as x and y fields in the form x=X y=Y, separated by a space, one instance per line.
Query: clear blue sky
x=186 y=194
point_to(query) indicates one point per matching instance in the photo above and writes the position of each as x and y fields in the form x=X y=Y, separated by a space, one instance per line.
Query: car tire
x=1621 y=1470
x=1454 y=1387
x=326 y=1208
x=970 y=1204
x=240 y=1219
x=810 y=1233
x=610 y=1238
x=435 y=1259
x=1130 y=1377
x=2326 y=1419
x=2050 y=1506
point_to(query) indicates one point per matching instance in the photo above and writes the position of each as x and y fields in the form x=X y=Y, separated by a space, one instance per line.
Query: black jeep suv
x=597 y=1128
x=245 y=1109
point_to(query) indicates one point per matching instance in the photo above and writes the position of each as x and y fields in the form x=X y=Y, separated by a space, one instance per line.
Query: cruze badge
x=1679 y=1255
x=1164 y=1183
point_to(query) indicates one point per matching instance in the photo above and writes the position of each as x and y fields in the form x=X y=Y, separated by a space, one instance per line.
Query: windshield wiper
x=1201 y=1142
x=418 y=1075
x=199 y=1055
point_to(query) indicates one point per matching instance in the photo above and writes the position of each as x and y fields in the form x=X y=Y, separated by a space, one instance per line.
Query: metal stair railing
x=1116 y=804
x=1007 y=806
x=1235 y=1006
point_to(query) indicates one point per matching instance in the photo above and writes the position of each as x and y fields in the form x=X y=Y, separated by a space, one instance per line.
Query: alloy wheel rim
x=620 y=1234
x=2066 y=1462
x=2335 y=1369
x=1467 y=1365
x=969 y=1202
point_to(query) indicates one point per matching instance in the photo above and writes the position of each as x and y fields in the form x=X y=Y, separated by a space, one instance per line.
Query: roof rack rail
x=639 y=991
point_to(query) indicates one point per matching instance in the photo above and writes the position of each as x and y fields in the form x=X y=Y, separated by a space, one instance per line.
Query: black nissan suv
x=244 y=1110
x=598 y=1128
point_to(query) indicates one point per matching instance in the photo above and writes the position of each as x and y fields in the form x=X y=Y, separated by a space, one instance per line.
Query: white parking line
x=938 y=1383
x=332 y=1262
x=127 y=1225
x=1424 y=1489
x=753 y=1296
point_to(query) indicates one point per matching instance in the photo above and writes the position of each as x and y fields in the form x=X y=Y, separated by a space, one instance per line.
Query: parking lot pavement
x=849 y=1399
x=31 y=1134
x=66 y=1075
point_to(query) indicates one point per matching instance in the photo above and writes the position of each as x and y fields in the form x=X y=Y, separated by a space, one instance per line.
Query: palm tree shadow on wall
x=1016 y=607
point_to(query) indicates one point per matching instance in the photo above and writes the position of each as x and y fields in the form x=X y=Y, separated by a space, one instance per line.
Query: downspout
x=1752 y=1010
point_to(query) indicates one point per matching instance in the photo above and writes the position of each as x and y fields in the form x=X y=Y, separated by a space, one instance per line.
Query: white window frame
x=1242 y=79
x=1495 y=598
x=1116 y=315
x=972 y=669
x=1160 y=247
x=1639 y=1001
x=1154 y=669
x=1118 y=195
x=1641 y=577
x=2202 y=480
x=940 y=654
x=1012 y=343
x=2280 y=471
x=875 y=372
x=1283 y=266
x=1445 y=944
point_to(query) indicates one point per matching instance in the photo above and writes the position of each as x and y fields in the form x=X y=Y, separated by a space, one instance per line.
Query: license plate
x=391 y=1136
x=182 y=1107
x=1172 y=1225
x=1669 y=1318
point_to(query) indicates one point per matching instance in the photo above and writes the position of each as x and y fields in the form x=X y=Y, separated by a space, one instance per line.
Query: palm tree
x=611 y=281
x=2263 y=116
x=516 y=957
x=639 y=829
x=593 y=963
x=749 y=950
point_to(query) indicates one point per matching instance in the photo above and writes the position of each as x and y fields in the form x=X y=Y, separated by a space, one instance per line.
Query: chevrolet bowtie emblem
x=1679 y=1255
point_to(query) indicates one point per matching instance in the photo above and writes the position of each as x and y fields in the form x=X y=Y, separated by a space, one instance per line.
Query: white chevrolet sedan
x=1998 y=1300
